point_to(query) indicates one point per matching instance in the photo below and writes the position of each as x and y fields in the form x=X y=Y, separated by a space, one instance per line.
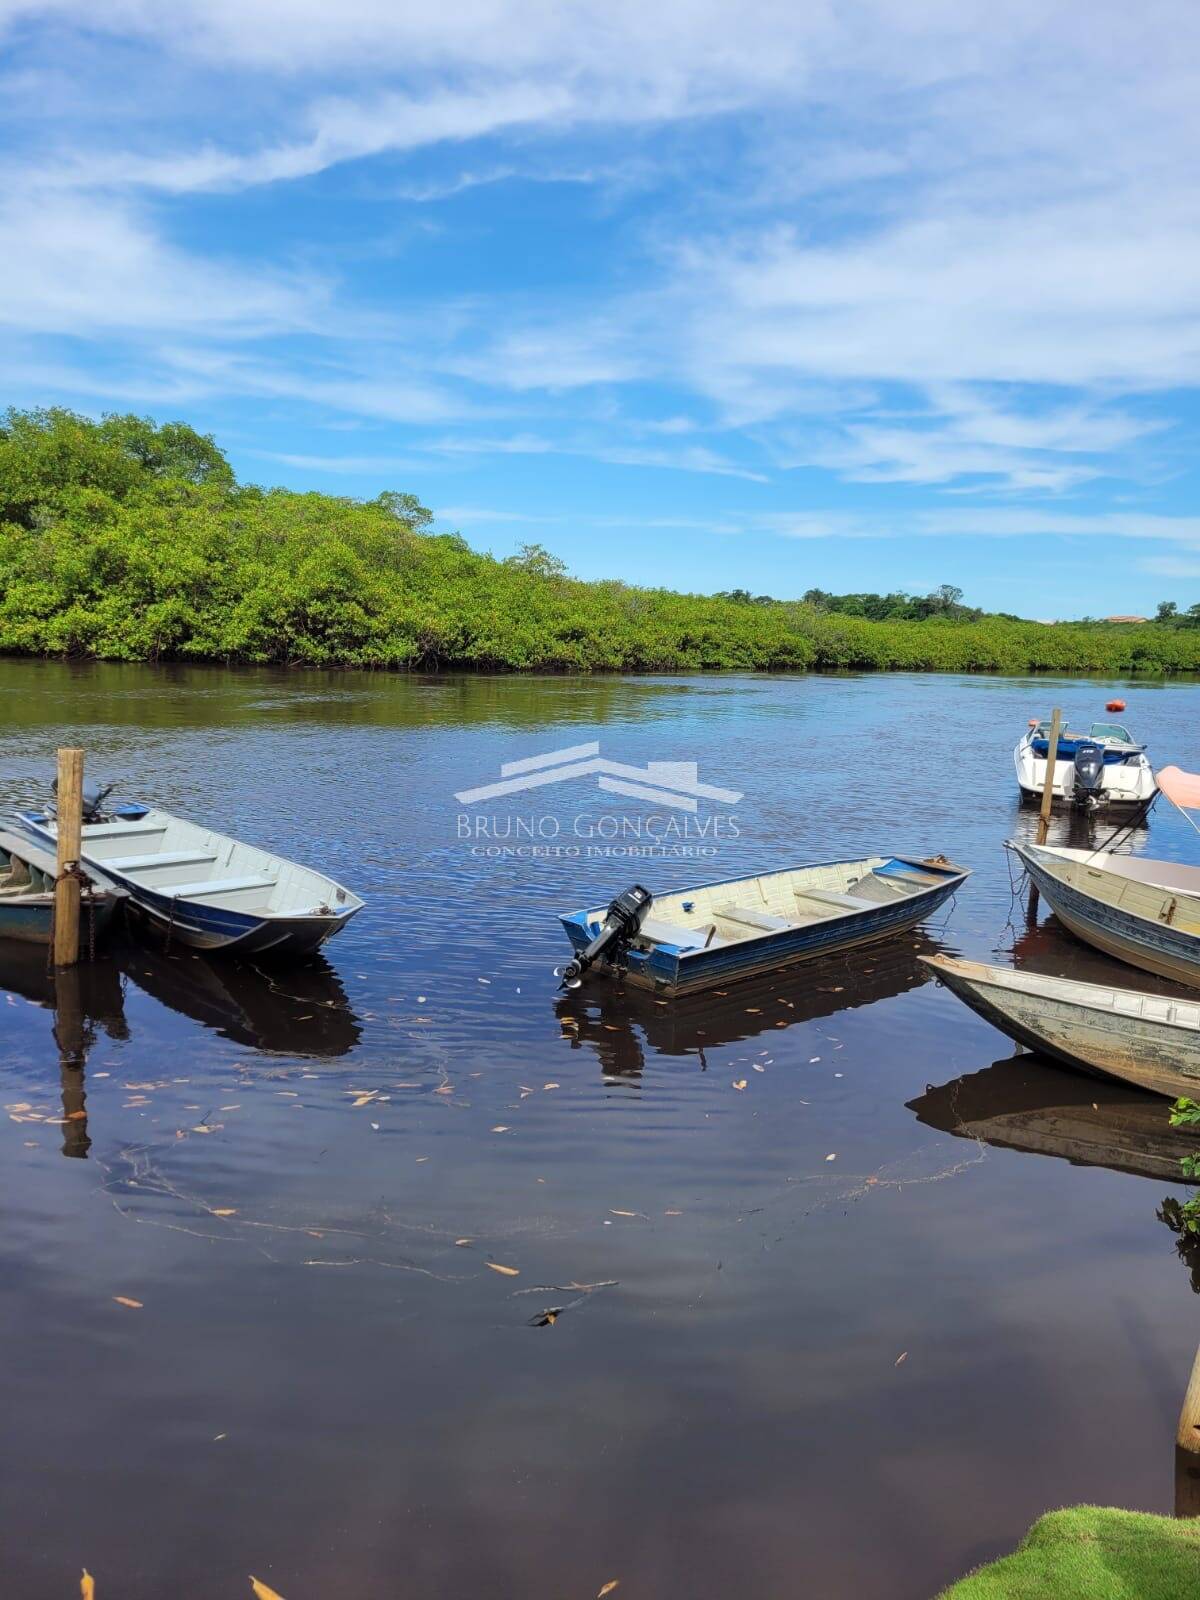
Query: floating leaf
x=739 y=1083
x=263 y=1591
x=463 y=1241
x=613 y=1212
x=903 y=1356
x=503 y=1128
x=124 y=1300
x=509 y=1272
x=87 y=1585
x=552 y=1086
x=608 y=1588
x=225 y=1211
x=832 y=1157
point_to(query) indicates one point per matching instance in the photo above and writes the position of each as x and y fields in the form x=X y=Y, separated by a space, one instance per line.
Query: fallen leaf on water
x=608 y=1588
x=832 y=1157
x=87 y=1586
x=225 y=1211
x=509 y=1272
x=751 y=1011
x=672 y=1213
x=739 y=1083
x=263 y=1591
x=757 y=1068
x=903 y=1356
x=124 y=1300
x=615 y=1213
x=552 y=1086
x=463 y=1241
x=503 y=1128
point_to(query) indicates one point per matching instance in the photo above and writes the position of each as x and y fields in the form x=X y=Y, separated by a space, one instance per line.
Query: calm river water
x=808 y=1340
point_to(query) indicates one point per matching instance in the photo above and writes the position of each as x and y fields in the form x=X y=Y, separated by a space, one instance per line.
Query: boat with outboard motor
x=697 y=938
x=1103 y=767
x=28 y=873
x=201 y=888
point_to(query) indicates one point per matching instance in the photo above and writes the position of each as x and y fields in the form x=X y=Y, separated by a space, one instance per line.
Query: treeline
x=124 y=540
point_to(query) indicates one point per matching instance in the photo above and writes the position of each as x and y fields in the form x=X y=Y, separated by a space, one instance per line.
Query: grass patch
x=1093 y=1553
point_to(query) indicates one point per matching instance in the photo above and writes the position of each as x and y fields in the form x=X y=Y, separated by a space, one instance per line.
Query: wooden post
x=1048 y=787
x=70 y=842
x=1187 y=1449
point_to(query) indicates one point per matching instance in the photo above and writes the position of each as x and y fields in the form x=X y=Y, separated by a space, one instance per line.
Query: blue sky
x=858 y=295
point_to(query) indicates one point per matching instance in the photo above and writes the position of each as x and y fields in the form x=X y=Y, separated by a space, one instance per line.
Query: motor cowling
x=622 y=921
x=1089 y=771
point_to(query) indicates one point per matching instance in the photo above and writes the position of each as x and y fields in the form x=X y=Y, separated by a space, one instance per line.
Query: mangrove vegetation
x=126 y=540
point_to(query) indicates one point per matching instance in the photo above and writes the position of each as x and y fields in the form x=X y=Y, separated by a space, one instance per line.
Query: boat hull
x=1149 y=943
x=668 y=970
x=1155 y=1046
x=205 y=914
x=231 y=932
x=29 y=919
x=1123 y=784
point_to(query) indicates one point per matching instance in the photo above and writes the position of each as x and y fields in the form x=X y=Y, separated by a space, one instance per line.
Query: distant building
x=1127 y=619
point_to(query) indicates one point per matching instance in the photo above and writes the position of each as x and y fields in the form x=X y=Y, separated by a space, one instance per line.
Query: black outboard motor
x=1089 y=773
x=94 y=796
x=622 y=921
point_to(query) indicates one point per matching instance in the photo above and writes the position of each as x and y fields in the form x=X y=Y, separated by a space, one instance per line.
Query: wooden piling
x=1048 y=786
x=1187 y=1448
x=70 y=841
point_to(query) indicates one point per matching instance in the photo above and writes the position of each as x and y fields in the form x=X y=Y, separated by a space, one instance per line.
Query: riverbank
x=123 y=541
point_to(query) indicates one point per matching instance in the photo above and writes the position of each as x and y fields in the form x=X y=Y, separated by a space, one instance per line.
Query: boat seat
x=159 y=858
x=749 y=918
x=672 y=933
x=925 y=879
x=200 y=891
x=845 y=902
x=120 y=830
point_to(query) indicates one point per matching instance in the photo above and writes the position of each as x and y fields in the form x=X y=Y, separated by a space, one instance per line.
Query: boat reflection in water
x=1024 y=1103
x=299 y=1010
x=87 y=1000
x=625 y=1024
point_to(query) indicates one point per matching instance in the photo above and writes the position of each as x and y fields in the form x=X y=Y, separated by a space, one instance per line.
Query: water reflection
x=299 y=1011
x=1023 y=1103
x=624 y=1025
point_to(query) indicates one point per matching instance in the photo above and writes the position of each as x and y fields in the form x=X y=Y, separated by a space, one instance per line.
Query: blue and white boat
x=203 y=889
x=27 y=876
x=1103 y=767
x=719 y=932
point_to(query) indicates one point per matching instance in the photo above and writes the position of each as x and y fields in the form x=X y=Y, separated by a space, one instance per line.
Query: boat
x=1150 y=1041
x=1103 y=767
x=27 y=877
x=717 y=933
x=203 y=889
x=1023 y=1103
x=1144 y=912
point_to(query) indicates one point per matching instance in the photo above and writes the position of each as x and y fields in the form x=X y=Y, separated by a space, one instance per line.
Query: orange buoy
x=1115 y=705
x=1033 y=722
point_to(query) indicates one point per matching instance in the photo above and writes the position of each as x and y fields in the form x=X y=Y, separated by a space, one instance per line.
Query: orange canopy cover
x=1181 y=787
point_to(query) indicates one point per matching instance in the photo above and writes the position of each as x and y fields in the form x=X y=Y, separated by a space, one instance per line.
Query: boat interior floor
x=730 y=913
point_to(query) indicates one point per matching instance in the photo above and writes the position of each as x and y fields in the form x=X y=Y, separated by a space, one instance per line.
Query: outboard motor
x=94 y=796
x=622 y=922
x=1089 y=773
